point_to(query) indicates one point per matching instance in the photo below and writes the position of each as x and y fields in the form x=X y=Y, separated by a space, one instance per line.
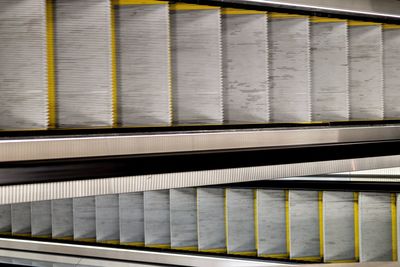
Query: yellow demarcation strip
x=215 y=250
x=321 y=223
x=89 y=240
x=315 y=19
x=236 y=11
x=114 y=70
x=362 y=23
x=255 y=218
x=356 y=228
x=111 y=242
x=276 y=15
x=391 y=26
x=165 y=246
x=184 y=6
x=134 y=244
x=244 y=253
x=393 y=205
x=192 y=248
x=50 y=64
x=287 y=217
x=275 y=256
x=138 y=2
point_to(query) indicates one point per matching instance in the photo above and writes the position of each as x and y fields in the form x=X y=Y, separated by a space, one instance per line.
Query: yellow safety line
x=311 y=258
x=135 y=244
x=114 y=70
x=236 y=11
x=42 y=236
x=340 y=261
x=362 y=23
x=390 y=26
x=393 y=205
x=255 y=191
x=316 y=19
x=184 y=6
x=138 y=2
x=275 y=256
x=166 y=246
x=276 y=15
x=215 y=250
x=287 y=221
x=191 y=248
x=64 y=238
x=89 y=240
x=244 y=253
x=51 y=89
x=321 y=223
x=356 y=228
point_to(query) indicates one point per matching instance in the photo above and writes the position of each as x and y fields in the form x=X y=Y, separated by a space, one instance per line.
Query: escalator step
x=84 y=212
x=21 y=219
x=62 y=218
x=107 y=219
x=131 y=216
x=5 y=219
x=41 y=219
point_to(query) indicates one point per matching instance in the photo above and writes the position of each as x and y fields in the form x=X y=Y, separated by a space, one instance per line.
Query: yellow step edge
x=362 y=23
x=166 y=246
x=276 y=15
x=393 y=205
x=67 y=238
x=51 y=84
x=315 y=19
x=310 y=259
x=88 y=240
x=184 y=6
x=138 y=2
x=111 y=242
x=244 y=253
x=390 y=27
x=226 y=218
x=236 y=11
x=190 y=248
x=134 y=244
x=42 y=236
x=215 y=250
x=275 y=256
x=22 y=235
x=341 y=261
x=356 y=228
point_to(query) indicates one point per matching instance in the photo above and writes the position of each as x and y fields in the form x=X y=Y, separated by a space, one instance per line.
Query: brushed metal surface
x=113 y=145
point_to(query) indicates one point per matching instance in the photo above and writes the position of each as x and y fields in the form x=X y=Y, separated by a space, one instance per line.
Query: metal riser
x=154 y=64
x=296 y=225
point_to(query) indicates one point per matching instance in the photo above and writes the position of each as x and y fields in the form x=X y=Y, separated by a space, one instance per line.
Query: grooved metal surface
x=289 y=72
x=82 y=31
x=329 y=64
x=113 y=145
x=196 y=66
x=23 y=68
x=366 y=72
x=116 y=185
x=245 y=68
x=142 y=38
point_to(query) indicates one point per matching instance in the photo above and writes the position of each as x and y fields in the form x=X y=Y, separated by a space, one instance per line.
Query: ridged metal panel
x=41 y=218
x=83 y=63
x=5 y=219
x=62 y=219
x=196 y=66
x=245 y=68
x=107 y=218
x=289 y=72
x=84 y=214
x=329 y=64
x=366 y=72
x=142 y=38
x=23 y=68
x=131 y=218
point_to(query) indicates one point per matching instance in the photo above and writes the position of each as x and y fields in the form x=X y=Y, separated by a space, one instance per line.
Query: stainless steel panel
x=111 y=145
x=304 y=225
x=142 y=37
x=41 y=218
x=289 y=73
x=245 y=68
x=183 y=218
x=375 y=227
x=21 y=219
x=196 y=66
x=339 y=228
x=62 y=218
x=271 y=215
x=5 y=219
x=83 y=63
x=116 y=185
x=84 y=212
x=366 y=72
x=23 y=69
x=211 y=219
x=107 y=218
x=329 y=64
x=131 y=216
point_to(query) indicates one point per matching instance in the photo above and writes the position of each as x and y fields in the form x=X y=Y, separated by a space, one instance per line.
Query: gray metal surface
x=5 y=219
x=339 y=226
x=157 y=230
x=304 y=225
x=62 y=219
x=142 y=33
x=366 y=72
x=116 y=185
x=271 y=214
x=131 y=216
x=329 y=64
x=211 y=219
x=196 y=66
x=240 y=221
x=183 y=218
x=391 y=59
x=289 y=73
x=107 y=218
x=375 y=213
x=138 y=256
x=84 y=213
x=41 y=219
x=245 y=68
x=83 y=63
x=23 y=69
x=21 y=219
x=111 y=145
